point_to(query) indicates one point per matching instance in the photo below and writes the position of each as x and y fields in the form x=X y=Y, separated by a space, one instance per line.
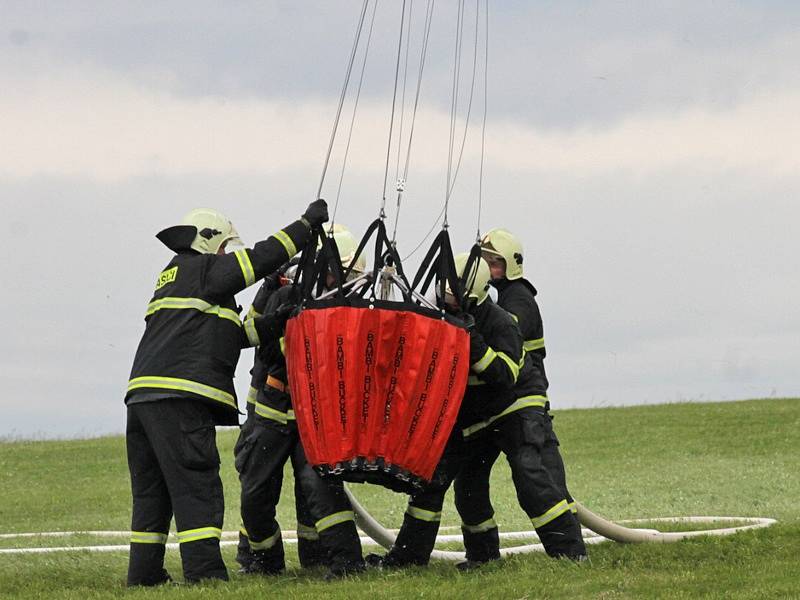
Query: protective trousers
x=309 y=549
x=531 y=448
x=260 y=461
x=174 y=467
x=422 y=518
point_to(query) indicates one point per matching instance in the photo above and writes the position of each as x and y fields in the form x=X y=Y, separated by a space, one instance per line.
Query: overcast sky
x=647 y=156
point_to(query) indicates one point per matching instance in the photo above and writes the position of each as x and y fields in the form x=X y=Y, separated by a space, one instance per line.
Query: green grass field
x=737 y=459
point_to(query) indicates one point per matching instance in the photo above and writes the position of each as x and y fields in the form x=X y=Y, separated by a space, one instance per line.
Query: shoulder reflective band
x=282 y=343
x=512 y=366
x=203 y=533
x=485 y=361
x=555 y=512
x=519 y=404
x=267 y=543
x=175 y=303
x=182 y=385
x=487 y=525
x=262 y=410
x=530 y=345
x=246 y=266
x=252 y=393
x=424 y=515
x=287 y=242
x=307 y=532
x=253 y=313
x=252 y=334
x=334 y=519
x=148 y=537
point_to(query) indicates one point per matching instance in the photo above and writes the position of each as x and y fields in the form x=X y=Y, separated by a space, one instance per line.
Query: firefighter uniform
x=263 y=451
x=522 y=430
x=495 y=352
x=309 y=549
x=181 y=386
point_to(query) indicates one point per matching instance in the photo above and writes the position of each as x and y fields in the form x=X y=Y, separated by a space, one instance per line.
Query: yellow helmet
x=504 y=244
x=347 y=245
x=213 y=230
x=476 y=285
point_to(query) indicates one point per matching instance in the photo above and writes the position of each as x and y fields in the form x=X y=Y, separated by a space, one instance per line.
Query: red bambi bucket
x=375 y=390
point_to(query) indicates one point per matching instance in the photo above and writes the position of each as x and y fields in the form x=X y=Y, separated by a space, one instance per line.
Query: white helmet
x=347 y=245
x=476 y=285
x=213 y=230
x=504 y=244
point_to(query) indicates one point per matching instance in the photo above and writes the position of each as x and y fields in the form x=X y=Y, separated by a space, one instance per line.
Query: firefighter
x=271 y=441
x=181 y=386
x=495 y=352
x=309 y=550
x=522 y=430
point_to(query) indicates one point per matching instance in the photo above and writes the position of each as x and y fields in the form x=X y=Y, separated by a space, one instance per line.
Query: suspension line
x=355 y=110
x=423 y=55
x=485 y=110
x=382 y=213
x=343 y=95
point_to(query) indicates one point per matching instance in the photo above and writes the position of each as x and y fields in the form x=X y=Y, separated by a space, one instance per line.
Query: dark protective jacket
x=518 y=297
x=495 y=356
x=530 y=386
x=193 y=334
x=273 y=405
x=258 y=373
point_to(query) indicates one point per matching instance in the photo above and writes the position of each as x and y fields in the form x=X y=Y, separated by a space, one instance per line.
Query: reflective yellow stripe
x=334 y=519
x=193 y=303
x=184 y=385
x=424 y=515
x=488 y=357
x=246 y=266
x=253 y=313
x=487 y=525
x=519 y=404
x=262 y=410
x=252 y=334
x=243 y=531
x=573 y=507
x=307 y=532
x=252 y=394
x=555 y=512
x=512 y=366
x=475 y=380
x=267 y=543
x=287 y=243
x=148 y=537
x=529 y=345
x=282 y=343
x=203 y=533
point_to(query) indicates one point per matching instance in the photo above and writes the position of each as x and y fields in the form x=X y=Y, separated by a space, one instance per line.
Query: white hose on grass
x=604 y=530
x=597 y=530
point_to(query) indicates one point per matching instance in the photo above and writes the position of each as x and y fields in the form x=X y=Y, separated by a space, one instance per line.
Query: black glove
x=467 y=320
x=282 y=314
x=477 y=346
x=272 y=281
x=316 y=213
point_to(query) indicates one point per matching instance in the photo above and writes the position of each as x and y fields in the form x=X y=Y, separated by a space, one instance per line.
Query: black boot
x=146 y=565
x=265 y=562
x=311 y=553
